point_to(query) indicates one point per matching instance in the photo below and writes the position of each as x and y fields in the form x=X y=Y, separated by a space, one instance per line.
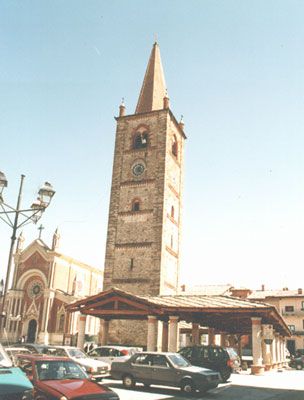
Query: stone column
x=273 y=352
x=223 y=338
x=278 y=353
x=151 y=339
x=232 y=341
x=257 y=367
x=239 y=346
x=266 y=348
x=173 y=330
x=81 y=330
x=195 y=333
x=282 y=352
x=211 y=336
x=165 y=333
x=104 y=327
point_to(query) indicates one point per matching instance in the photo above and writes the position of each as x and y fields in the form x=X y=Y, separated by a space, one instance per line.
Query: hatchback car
x=168 y=369
x=109 y=354
x=98 y=369
x=61 y=378
x=223 y=359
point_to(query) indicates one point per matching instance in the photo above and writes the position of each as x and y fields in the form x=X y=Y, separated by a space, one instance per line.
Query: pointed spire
x=153 y=90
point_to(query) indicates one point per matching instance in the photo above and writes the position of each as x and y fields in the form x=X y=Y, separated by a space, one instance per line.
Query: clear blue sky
x=234 y=70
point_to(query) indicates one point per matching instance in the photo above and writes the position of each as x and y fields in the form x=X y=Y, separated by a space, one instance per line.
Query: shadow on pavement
x=225 y=392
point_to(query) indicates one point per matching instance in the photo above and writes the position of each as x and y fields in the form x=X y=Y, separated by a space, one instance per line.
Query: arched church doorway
x=31 y=334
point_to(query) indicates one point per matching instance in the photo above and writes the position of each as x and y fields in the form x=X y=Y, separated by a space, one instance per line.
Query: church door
x=31 y=334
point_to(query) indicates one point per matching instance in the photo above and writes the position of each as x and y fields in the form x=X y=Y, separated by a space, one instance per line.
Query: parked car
x=98 y=369
x=168 y=369
x=34 y=347
x=109 y=354
x=223 y=359
x=61 y=378
x=299 y=352
x=14 y=384
x=297 y=362
x=12 y=351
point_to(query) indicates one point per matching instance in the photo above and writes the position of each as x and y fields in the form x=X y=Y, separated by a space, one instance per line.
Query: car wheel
x=299 y=366
x=225 y=374
x=188 y=387
x=128 y=381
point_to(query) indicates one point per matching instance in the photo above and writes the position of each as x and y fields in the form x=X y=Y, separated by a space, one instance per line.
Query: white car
x=109 y=354
x=12 y=351
x=98 y=369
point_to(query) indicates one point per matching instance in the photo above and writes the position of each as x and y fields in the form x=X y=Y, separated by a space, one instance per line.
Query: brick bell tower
x=144 y=227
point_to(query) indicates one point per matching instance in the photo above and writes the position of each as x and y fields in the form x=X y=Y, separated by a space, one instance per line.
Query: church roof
x=153 y=90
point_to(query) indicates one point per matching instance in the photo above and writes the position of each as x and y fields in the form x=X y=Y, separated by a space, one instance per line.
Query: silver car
x=97 y=369
x=109 y=354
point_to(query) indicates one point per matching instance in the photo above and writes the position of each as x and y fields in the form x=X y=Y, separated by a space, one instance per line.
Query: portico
x=218 y=314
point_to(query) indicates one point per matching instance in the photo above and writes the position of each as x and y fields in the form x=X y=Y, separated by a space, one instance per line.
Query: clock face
x=35 y=289
x=138 y=169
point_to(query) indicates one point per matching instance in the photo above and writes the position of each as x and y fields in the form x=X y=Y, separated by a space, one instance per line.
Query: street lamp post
x=29 y=215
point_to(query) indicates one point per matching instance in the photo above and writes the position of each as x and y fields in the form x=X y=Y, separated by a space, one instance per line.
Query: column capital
x=151 y=318
x=256 y=320
x=173 y=318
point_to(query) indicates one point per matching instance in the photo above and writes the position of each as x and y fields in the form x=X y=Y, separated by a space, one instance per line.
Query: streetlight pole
x=30 y=215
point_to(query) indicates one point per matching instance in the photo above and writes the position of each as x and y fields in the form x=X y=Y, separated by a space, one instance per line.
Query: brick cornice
x=139 y=212
x=144 y=149
x=137 y=183
x=130 y=280
x=132 y=245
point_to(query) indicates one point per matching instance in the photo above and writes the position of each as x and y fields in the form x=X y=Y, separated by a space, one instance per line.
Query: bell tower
x=144 y=226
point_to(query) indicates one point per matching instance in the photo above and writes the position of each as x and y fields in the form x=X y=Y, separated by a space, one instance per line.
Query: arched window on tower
x=141 y=141
x=136 y=205
x=174 y=146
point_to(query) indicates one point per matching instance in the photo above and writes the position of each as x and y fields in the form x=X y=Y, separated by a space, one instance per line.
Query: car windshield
x=5 y=361
x=76 y=353
x=59 y=370
x=178 y=360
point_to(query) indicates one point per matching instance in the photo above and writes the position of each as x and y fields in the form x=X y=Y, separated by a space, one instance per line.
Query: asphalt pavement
x=285 y=385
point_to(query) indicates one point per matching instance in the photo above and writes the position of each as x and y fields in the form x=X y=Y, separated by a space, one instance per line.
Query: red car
x=61 y=378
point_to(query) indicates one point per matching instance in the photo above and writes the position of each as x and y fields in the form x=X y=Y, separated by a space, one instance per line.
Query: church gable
x=34 y=262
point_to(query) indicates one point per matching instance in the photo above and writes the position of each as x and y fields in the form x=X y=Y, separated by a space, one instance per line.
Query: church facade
x=44 y=282
x=144 y=228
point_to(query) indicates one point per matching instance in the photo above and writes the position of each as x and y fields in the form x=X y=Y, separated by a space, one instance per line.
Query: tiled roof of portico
x=224 y=313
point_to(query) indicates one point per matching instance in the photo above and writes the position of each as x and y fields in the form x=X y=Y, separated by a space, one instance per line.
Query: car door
x=163 y=373
x=102 y=354
x=190 y=354
x=141 y=368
